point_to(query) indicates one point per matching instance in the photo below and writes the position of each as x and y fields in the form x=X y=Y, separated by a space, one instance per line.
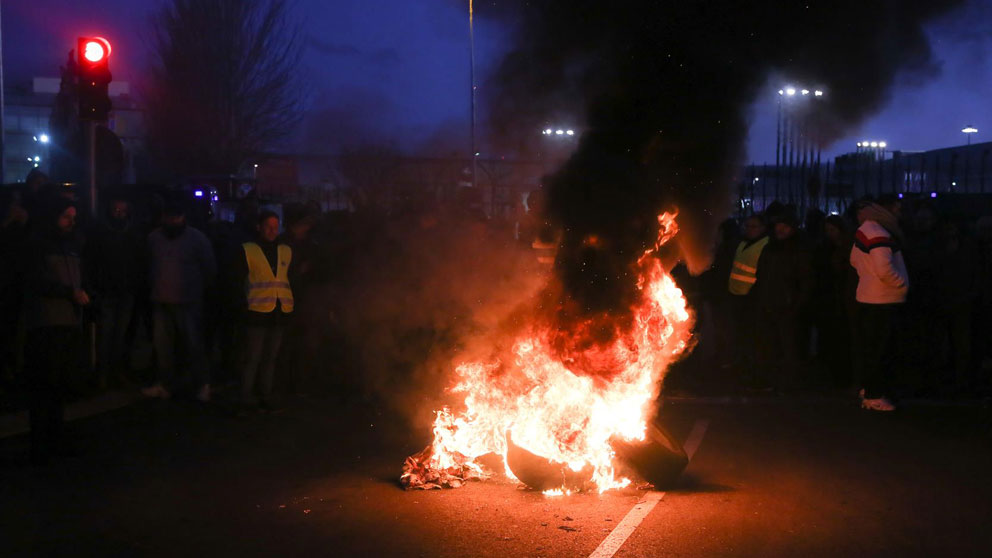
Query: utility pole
x=2 y=144
x=471 y=77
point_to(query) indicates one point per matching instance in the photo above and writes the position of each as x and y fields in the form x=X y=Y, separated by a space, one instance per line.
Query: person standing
x=882 y=286
x=180 y=267
x=742 y=277
x=53 y=351
x=783 y=290
x=114 y=261
x=268 y=298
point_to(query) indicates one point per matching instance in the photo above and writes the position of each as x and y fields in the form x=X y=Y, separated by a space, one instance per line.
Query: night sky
x=396 y=71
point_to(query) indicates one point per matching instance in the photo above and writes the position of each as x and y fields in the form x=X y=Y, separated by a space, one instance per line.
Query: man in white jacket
x=882 y=287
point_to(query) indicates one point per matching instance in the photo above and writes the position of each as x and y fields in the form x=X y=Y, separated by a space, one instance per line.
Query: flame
x=564 y=416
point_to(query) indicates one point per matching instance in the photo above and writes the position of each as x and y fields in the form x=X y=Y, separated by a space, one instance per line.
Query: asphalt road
x=772 y=477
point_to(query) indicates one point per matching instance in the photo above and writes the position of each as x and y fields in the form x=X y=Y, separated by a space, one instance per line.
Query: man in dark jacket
x=53 y=349
x=782 y=290
x=114 y=261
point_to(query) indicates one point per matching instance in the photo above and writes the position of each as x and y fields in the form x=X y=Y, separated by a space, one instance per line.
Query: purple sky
x=397 y=70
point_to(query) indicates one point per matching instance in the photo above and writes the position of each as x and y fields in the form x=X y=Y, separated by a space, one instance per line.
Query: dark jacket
x=53 y=272
x=180 y=268
x=785 y=276
x=114 y=260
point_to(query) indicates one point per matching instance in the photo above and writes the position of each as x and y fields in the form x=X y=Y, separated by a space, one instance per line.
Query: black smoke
x=663 y=90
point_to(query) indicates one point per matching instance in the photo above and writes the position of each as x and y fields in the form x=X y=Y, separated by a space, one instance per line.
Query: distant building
x=27 y=140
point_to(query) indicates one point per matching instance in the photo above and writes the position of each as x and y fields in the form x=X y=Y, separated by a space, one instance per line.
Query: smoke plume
x=663 y=90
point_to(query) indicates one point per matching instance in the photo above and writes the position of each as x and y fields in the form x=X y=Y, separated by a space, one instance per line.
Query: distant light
x=216 y=198
x=969 y=129
x=933 y=194
x=882 y=144
x=43 y=138
x=36 y=165
x=834 y=213
x=859 y=144
x=256 y=165
x=864 y=143
x=805 y=91
x=37 y=159
x=818 y=93
x=900 y=195
x=781 y=92
x=198 y=193
x=35 y=138
x=30 y=159
x=570 y=132
x=874 y=144
x=954 y=183
x=757 y=178
x=790 y=90
x=477 y=153
x=559 y=132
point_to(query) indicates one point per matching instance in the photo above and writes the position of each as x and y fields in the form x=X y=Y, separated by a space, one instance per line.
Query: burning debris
x=555 y=421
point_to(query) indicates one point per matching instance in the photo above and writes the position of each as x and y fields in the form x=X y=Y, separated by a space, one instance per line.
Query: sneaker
x=880 y=404
x=204 y=394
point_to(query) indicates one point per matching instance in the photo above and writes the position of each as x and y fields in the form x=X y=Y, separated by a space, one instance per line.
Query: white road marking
x=642 y=508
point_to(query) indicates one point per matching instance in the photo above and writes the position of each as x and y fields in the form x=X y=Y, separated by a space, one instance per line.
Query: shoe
x=203 y=396
x=880 y=404
x=155 y=391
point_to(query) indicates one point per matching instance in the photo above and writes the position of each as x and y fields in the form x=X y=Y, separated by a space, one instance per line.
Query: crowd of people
x=891 y=300
x=211 y=304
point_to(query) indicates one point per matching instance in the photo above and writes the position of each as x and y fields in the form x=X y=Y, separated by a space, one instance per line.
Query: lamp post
x=968 y=131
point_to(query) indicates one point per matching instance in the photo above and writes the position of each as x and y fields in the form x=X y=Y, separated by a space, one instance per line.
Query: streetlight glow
x=969 y=130
x=43 y=138
x=874 y=144
x=881 y=144
x=805 y=91
x=781 y=92
x=570 y=132
x=559 y=132
x=790 y=91
x=818 y=93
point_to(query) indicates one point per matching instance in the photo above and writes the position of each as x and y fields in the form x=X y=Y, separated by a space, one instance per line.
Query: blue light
x=900 y=195
x=933 y=194
x=198 y=193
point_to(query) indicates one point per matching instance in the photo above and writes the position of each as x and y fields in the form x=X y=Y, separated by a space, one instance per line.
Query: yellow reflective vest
x=744 y=273
x=264 y=288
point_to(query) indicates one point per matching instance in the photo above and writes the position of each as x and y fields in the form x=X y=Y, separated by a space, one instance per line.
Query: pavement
x=769 y=477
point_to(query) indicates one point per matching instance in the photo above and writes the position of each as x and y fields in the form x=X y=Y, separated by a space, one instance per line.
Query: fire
x=536 y=402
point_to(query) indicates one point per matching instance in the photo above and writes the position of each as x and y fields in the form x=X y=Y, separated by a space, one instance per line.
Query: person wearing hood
x=181 y=264
x=268 y=302
x=783 y=290
x=882 y=286
x=114 y=261
x=53 y=351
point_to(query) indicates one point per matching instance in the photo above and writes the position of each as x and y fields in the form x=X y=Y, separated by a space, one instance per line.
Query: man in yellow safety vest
x=743 y=276
x=269 y=299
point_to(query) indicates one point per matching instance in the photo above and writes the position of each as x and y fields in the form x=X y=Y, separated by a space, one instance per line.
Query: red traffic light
x=94 y=49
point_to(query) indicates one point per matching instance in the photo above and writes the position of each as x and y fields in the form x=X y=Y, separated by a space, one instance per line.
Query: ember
x=563 y=422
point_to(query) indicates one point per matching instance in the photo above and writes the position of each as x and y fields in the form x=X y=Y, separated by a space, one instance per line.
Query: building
x=28 y=143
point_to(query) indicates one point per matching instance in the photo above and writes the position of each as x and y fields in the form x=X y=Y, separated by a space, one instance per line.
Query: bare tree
x=224 y=84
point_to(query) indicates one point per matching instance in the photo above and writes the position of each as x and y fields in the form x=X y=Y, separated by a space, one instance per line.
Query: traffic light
x=94 y=77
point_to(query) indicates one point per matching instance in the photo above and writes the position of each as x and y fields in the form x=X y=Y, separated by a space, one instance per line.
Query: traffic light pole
x=91 y=166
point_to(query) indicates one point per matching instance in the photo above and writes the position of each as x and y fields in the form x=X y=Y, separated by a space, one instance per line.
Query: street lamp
x=968 y=130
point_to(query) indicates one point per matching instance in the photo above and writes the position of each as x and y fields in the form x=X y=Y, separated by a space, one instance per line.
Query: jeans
x=876 y=347
x=261 y=349
x=184 y=321
x=115 y=318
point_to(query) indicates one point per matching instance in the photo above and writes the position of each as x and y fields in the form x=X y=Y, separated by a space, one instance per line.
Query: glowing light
x=933 y=194
x=198 y=193
x=570 y=132
x=864 y=143
x=805 y=91
x=882 y=144
x=790 y=91
x=969 y=130
x=818 y=93
x=36 y=159
x=900 y=195
x=781 y=92
x=559 y=132
x=859 y=144
x=874 y=144
x=96 y=50
x=43 y=138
